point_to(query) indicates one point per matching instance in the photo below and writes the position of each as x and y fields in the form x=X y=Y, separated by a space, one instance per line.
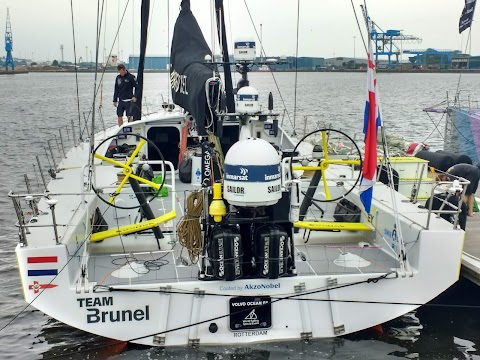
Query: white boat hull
x=171 y=314
x=343 y=282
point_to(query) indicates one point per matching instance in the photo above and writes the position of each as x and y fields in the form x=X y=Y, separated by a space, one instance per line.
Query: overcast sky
x=327 y=27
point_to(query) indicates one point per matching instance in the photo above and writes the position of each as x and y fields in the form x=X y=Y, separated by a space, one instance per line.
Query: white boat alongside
x=135 y=240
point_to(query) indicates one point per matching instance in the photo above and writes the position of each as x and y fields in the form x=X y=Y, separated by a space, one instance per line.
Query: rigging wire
x=359 y=27
x=212 y=28
x=457 y=92
x=76 y=74
x=110 y=53
x=293 y=296
x=133 y=27
x=386 y=159
x=144 y=100
x=104 y=39
x=118 y=27
x=435 y=128
x=296 y=69
x=151 y=17
x=468 y=44
x=457 y=97
x=472 y=142
x=95 y=90
x=271 y=72
x=106 y=61
x=168 y=51
x=231 y=35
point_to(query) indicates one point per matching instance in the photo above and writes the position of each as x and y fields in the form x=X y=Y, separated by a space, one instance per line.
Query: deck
x=161 y=266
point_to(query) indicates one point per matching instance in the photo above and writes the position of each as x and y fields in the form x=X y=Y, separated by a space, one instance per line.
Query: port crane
x=9 y=43
x=386 y=41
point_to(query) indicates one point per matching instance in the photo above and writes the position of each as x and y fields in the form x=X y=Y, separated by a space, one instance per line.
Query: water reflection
x=338 y=348
x=58 y=340
x=429 y=333
x=434 y=332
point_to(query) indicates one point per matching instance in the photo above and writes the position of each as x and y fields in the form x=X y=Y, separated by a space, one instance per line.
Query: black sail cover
x=467 y=15
x=189 y=72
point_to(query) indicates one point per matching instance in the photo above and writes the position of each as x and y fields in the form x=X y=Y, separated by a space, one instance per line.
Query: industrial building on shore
x=426 y=59
x=281 y=63
x=429 y=59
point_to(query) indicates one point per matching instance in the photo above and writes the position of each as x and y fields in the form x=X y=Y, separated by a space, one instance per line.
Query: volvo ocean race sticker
x=250 y=312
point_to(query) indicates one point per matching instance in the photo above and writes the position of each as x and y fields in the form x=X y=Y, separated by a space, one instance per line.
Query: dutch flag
x=42 y=265
x=371 y=122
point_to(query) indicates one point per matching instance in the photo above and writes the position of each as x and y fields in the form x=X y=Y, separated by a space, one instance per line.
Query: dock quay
x=471 y=248
x=410 y=172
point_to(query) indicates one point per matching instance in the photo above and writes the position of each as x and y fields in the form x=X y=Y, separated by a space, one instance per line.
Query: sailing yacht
x=207 y=224
x=462 y=126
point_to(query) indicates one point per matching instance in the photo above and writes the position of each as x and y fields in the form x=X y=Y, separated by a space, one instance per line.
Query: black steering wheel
x=324 y=163
x=128 y=172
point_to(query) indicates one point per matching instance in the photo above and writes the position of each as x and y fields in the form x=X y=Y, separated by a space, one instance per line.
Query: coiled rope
x=188 y=229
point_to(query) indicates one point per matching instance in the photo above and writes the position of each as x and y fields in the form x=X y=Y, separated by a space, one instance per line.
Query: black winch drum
x=439 y=161
x=457 y=158
x=226 y=253
x=271 y=251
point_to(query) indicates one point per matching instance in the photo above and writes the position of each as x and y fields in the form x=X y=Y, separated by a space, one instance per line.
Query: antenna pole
x=261 y=43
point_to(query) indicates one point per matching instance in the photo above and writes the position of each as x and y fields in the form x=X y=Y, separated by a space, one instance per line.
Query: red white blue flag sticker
x=42 y=265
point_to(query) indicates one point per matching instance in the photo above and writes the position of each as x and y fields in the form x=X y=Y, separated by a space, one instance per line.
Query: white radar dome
x=252 y=174
x=247 y=101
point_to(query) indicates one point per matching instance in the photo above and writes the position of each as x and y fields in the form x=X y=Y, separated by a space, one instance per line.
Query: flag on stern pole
x=371 y=122
x=467 y=15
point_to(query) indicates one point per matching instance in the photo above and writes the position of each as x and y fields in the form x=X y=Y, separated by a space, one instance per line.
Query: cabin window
x=167 y=140
x=229 y=137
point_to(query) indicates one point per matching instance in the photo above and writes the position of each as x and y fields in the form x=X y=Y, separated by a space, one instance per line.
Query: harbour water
x=35 y=106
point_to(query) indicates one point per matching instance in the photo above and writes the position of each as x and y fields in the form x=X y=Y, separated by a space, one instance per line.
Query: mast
x=222 y=37
x=145 y=14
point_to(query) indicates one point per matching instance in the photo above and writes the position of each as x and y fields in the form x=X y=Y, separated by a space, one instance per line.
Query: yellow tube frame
x=133 y=228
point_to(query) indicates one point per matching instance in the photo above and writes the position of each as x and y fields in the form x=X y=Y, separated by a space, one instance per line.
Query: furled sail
x=145 y=14
x=189 y=72
x=222 y=37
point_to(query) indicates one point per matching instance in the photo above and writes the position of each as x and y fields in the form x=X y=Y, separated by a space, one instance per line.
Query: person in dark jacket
x=470 y=173
x=123 y=95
